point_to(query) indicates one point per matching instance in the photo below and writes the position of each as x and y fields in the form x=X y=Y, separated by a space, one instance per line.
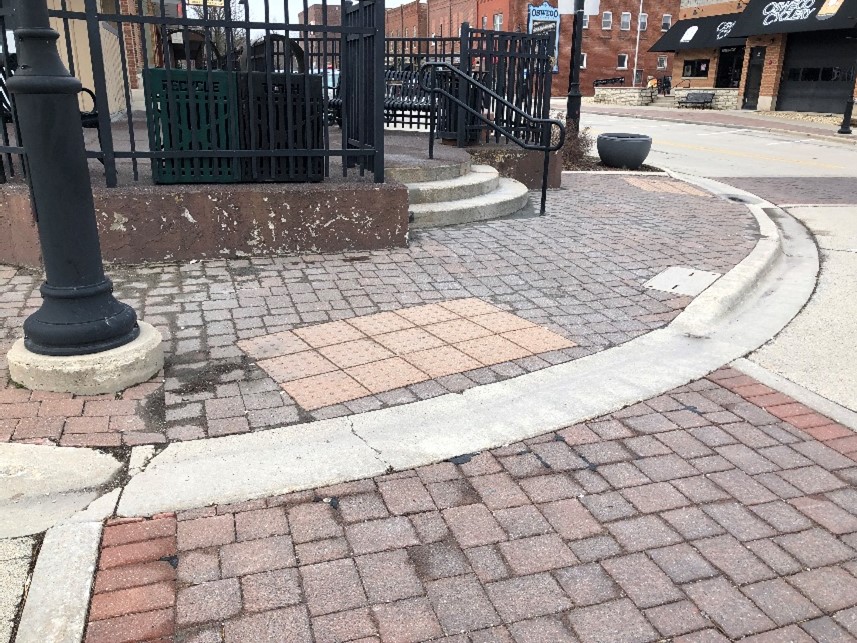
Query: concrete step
x=509 y=197
x=481 y=179
x=431 y=170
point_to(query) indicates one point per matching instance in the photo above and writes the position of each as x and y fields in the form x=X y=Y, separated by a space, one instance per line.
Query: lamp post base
x=109 y=371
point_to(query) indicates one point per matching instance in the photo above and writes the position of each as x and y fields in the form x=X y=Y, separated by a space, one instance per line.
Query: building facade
x=609 y=39
x=770 y=54
x=445 y=17
x=408 y=20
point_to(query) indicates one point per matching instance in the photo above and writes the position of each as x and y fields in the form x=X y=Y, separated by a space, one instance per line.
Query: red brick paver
x=737 y=525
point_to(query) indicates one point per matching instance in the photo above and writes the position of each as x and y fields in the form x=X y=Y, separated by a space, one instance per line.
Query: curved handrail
x=502 y=101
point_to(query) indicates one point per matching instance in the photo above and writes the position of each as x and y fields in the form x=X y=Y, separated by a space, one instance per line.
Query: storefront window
x=695 y=68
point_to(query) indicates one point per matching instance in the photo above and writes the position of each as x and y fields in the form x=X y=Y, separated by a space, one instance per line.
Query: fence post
x=463 y=89
x=105 y=133
x=379 y=88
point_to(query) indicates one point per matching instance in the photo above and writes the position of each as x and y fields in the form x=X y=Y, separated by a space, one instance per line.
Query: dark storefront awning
x=700 y=33
x=789 y=16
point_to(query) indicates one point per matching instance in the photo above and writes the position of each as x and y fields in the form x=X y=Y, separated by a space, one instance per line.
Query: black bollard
x=79 y=314
x=845 y=128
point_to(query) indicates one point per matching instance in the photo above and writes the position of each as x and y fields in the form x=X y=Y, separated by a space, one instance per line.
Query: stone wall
x=635 y=96
x=723 y=98
x=185 y=222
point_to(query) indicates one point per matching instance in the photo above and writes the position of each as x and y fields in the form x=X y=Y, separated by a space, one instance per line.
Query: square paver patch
x=341 y=361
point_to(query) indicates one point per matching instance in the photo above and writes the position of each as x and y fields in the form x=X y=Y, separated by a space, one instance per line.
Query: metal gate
x=362 y=83
x=818 y=72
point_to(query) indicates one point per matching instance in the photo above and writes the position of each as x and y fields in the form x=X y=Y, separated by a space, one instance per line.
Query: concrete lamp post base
x=109 y=371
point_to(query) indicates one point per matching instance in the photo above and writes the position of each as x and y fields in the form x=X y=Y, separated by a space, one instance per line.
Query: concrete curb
x=825 y=407
x=58 y=600
x=249 y=466
x=732 y=288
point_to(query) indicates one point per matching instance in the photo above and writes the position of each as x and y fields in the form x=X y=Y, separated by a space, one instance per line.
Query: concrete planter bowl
x=624 y=150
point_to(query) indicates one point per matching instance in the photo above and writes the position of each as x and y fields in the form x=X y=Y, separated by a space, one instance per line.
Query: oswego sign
x=787 y=11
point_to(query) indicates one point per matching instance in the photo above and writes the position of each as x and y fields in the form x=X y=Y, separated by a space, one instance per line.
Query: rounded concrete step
x=481 y=179
x=431 y=170
x=509 y=197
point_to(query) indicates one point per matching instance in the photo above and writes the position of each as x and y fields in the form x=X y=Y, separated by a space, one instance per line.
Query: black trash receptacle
x=287 y=115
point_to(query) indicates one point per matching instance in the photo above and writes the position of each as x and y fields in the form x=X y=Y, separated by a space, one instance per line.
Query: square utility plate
x=682 y=281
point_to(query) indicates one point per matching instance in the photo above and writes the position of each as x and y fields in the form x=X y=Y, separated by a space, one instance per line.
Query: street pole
x=637 y=48
x=79 y=315
x=845 y=128
x=575 y=60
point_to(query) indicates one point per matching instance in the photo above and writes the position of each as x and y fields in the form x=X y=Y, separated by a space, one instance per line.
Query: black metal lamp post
x=845 y=128
x=79 y=314
x=575 y=60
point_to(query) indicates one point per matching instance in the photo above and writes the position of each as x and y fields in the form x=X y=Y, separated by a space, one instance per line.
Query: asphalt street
x=712 y=151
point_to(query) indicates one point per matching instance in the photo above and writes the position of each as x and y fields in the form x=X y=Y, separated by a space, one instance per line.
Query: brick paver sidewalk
x=719 y=511
x=576 y=275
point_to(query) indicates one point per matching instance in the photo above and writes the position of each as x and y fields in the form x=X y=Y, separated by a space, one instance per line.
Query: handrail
x=546 y=123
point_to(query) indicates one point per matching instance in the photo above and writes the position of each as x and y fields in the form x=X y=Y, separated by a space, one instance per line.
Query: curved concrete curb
x=242 y=467
x=729 y=290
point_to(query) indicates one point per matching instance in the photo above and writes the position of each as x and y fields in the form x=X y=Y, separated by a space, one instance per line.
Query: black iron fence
x=223 y=90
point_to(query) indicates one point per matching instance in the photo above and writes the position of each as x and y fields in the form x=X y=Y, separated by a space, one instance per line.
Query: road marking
x=720 y=133
x=751 y=155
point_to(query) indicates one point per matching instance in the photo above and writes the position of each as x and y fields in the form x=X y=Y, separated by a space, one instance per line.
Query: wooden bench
x=697 y=99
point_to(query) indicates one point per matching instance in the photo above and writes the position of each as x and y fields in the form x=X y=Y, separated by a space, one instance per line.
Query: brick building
x=768 y=55
x=446 y=16
x=408 y=20
x=315 y=15
x=609 y=39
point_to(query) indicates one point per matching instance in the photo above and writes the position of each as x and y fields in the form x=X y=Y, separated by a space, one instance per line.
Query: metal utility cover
x=682 y=281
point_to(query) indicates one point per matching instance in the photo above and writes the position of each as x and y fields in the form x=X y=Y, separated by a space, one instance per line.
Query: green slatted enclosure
x=199 y=112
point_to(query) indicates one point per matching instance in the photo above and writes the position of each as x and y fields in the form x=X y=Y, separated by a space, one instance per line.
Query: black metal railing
x=527 y=131
x=214 y=91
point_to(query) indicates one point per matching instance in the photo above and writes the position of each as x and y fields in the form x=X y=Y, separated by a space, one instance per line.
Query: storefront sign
x=787 y=11
x=544 y=19
x=724 y=29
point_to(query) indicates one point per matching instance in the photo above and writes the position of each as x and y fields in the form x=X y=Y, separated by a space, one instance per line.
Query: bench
x=402 y=93
x=697 y=99
x=607 y=82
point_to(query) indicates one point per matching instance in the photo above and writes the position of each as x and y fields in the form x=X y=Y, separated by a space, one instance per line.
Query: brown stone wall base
x=525 y=166
x=184 y=222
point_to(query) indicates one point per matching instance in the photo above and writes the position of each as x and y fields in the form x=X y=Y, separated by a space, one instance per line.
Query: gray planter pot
x=624 y=150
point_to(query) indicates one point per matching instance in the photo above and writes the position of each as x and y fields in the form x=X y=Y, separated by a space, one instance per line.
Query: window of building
x=638 y=77
x=662 y=62
x=583 y=60
x=585 y=21
x=498 y=22
x=625 y=21
x=666 y=22
x=484 y=22
x=695 y=68
x=644 y=21
x=622 y=61
x=607 y=20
